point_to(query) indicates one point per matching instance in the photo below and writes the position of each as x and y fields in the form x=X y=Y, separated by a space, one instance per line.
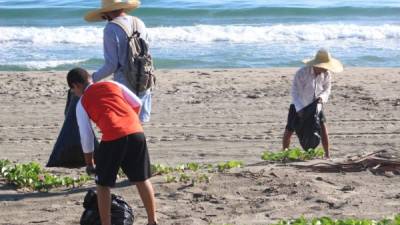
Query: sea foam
x=205 y=33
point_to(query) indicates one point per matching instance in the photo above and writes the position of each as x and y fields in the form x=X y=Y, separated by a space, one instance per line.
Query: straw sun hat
x=109 y=6
x=324 y=60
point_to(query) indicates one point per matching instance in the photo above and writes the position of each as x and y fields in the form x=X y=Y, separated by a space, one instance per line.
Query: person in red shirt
x=114 y=109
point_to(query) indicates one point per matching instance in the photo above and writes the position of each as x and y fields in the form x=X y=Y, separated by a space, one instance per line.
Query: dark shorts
x=128 y=153
x=293 y=118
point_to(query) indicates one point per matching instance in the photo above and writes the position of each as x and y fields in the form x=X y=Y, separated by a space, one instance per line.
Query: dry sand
x=212 y=116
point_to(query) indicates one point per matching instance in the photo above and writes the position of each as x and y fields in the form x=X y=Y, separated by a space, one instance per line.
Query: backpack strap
x=135 y=27
x=126 y=29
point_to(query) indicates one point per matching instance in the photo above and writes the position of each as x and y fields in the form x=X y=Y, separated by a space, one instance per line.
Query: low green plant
x=192 y=171
x=33 y=176
x=170 y=179
x=160 y=169
x=229 y=165
x=186 y=177
x=193 y=166
x=330 y=221
x=203 y=178
x=180 y=168
x=294 y=154
x=183 y=177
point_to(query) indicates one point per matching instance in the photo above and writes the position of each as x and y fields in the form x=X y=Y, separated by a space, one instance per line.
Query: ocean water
x=52 y=35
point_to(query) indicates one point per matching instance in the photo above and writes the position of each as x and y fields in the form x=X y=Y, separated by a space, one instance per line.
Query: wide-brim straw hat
x=324 y=60
x=109 y=6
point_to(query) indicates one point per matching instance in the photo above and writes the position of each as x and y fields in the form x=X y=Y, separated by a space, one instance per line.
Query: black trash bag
x=67 y=151
x=308 y=127
x=121 y=212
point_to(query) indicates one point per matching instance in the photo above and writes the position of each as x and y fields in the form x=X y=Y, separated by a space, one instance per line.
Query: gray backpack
x=139 y=69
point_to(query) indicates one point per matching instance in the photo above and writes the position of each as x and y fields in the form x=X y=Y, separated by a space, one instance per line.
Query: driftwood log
x=377 y=162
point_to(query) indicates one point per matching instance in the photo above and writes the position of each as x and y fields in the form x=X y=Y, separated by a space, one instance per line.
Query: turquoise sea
x=52 y=35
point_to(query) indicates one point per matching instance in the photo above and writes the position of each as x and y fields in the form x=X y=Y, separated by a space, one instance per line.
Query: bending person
x=114 y=109
x=311 y=82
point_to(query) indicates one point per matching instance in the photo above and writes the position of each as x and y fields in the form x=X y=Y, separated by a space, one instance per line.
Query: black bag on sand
x=67 y=151
x=308 y=127
x=121 y=212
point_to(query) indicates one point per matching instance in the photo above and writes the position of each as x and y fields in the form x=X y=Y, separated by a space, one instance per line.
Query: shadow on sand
x=57 y=192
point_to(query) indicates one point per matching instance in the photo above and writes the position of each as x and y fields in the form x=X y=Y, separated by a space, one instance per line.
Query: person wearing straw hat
x=312 y=83
x=115 y=44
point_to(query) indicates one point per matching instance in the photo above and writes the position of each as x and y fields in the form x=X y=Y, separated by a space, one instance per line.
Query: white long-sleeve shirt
x=85 y=127
x=307 y=87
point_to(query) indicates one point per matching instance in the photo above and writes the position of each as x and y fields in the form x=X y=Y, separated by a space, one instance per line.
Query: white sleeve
x=132 y=99
x=296 y=100
x=85 y=129
x=327 y=88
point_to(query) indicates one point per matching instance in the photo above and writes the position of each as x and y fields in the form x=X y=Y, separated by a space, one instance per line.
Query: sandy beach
x=212 y=116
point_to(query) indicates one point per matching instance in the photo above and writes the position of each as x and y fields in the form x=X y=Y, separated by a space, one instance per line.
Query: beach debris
x=253 y=96
x=324 y=180
x=376 y=162
x=205 y=197
x=396 y=102
x=270 y=191
x=332 y=203
x=39 y=221
x=347 y=188
x=204 y=74
x=171 y=92
x=194 y=102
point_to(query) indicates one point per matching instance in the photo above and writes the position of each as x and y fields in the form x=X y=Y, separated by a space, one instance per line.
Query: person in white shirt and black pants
x=312 y=82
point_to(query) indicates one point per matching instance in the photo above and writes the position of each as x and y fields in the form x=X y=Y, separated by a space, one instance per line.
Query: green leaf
x=193 y=166
x=294 y=154
x=170 y=179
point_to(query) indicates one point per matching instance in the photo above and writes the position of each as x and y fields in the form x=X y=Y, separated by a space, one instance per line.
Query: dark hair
x=114 y=13
x=77 y=76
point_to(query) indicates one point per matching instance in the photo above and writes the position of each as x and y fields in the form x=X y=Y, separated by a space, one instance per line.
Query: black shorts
x=293 y=118
x=128 y=153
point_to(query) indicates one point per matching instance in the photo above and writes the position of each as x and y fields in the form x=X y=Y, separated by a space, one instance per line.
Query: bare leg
x=325 y=139
x=146 y=193
x=104 y=204
x=286 y=139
